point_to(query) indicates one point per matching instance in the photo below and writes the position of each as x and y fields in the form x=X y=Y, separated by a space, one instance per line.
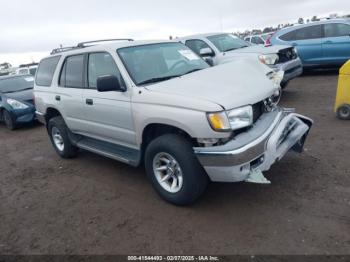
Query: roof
x=329 y=21
x=111 y=46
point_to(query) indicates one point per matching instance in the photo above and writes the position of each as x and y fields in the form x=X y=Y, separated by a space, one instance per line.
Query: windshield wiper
x=192 y=71
x=158 y=79
x=231 y=49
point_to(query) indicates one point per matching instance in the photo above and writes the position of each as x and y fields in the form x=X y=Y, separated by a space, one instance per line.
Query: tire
x=9 y=122
x=343 y=112
x=191 y=177
x=58 y=132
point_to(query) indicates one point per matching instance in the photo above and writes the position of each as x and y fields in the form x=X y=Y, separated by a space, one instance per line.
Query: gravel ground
x=93 y=205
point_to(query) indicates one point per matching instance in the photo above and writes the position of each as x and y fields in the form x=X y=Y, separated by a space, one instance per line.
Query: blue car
x=320 y=44
x=16 y=100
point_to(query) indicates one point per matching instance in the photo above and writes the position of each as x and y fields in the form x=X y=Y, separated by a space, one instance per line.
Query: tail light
x=268 y=41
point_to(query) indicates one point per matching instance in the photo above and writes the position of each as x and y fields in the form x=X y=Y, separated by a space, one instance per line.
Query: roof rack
x=88 y=43
x=63 y=49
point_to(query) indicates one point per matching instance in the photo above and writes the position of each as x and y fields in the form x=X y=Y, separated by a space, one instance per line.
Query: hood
x=260 y=49
x=24 y=96
x=239 y=83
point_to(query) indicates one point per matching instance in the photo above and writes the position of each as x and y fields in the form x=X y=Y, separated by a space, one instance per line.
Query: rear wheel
x=9 y=122
x=174 y=170
x=343 y=112
x=284 y=84
x=58 y=132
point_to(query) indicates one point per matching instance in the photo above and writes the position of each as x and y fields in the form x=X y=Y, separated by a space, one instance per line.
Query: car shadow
x=321 y=72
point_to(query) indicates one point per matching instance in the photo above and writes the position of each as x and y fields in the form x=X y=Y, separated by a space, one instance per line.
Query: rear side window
x=306 y=33
x=46 y=71
x=72 y=73
x=336 y=30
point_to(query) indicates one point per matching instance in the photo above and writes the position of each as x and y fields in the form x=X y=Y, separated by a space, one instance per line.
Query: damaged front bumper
x=252 y=152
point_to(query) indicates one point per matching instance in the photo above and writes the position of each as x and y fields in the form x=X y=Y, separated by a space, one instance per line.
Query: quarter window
x=72 y=72
x=101 y=64
x=46 y=71
x=336 y=30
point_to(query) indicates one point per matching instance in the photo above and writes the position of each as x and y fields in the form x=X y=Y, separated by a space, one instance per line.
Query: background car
x=219 y=48
x=258 y=39
x=16 y=100
x=319 y=44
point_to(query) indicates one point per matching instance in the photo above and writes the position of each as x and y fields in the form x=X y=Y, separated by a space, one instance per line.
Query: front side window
x=101 y=64
x=336 y=30
x=227 y=42
x=46 y=71
x=16 y=84
x=159 y=62
x=196 y=45
x=72 y=72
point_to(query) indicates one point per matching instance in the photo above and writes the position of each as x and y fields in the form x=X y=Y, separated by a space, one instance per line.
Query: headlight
x=16 y=104
x=231 y=120
x=240 y=117
x=270 y=59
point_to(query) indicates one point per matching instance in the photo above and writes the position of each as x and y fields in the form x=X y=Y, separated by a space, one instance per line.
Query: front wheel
x=174 y=170
x=343 y=112
x=9 y=122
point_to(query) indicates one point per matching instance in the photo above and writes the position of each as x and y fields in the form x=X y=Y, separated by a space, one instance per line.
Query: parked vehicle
x=258 y=39
x=5 y=69
x=222 y=48
x=29 y=69
x=161 y=105
x=319 y=44
x=342 y=104
x=16 y=100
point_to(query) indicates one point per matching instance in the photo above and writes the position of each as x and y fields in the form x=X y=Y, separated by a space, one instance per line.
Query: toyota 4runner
x=159 y=104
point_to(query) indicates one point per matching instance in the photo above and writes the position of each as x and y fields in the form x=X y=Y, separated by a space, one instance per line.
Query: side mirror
x=109 y=83
x=206 y=52
x=209 y=61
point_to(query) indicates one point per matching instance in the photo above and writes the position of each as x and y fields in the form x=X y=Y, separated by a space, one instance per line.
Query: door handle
x=89 y=102
x=58 y=98
x=328 y=42
x=294 y=44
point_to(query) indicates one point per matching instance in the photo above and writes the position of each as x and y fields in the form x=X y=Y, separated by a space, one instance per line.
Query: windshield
x=159 y=62
x=15 y=84
x=227 y=42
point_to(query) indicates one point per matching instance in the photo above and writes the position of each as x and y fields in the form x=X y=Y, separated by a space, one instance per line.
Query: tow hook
x=256 y=176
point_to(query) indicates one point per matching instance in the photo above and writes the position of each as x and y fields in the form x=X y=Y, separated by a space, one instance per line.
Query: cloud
x=41 y=25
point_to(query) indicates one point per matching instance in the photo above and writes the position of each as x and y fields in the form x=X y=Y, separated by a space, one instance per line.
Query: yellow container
x=342 y=104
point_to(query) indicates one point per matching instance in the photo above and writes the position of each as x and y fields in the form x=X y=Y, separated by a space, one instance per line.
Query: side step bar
x=117 y=152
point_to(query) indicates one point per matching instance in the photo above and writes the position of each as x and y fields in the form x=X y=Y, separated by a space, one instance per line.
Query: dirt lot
x=93 y=205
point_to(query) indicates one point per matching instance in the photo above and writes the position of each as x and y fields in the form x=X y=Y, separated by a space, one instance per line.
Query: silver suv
x=159 y=104
x=218 y=48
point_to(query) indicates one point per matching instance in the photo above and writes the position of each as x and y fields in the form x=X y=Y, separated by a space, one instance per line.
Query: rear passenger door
x=336 y=43
x=108 y=114
x=70 y=93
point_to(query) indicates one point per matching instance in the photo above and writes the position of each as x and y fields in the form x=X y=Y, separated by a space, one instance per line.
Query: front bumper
x=292 y=69
x=272 y=136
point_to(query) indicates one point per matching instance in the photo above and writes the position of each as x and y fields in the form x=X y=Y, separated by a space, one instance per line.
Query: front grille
x=258 y=110
x=286 y=55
